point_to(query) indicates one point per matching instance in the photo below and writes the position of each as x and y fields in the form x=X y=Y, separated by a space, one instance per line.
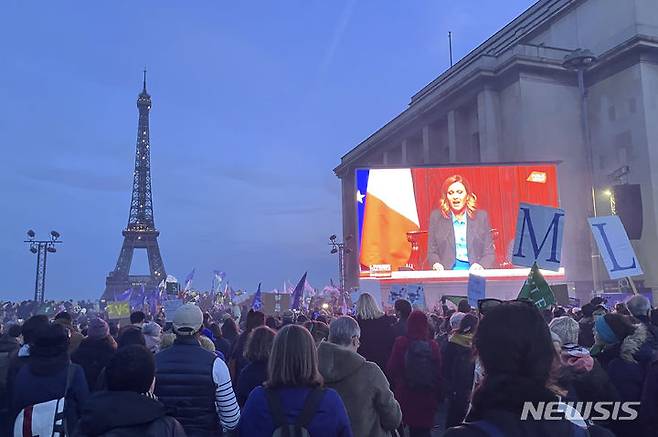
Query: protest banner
x=615 y=247
x=476 y=289
x=538 y=237
x=170 y=307
x=118 y=310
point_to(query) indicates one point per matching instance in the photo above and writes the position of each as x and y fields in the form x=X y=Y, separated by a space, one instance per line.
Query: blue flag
x=123 y=297
x=298 y=292
x=257 y=303
x=188 y=280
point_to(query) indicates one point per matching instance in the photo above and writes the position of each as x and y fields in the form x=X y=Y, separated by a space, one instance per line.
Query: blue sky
x=254 y=103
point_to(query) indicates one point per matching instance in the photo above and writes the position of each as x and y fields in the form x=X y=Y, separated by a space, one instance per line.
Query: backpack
x=46 y=419
x=420 y=368
x=298 y=429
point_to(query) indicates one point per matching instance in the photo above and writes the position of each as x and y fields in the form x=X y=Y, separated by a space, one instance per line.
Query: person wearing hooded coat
x=370 y=404
x=127 y=408
x=418 y=406
x=45 y=375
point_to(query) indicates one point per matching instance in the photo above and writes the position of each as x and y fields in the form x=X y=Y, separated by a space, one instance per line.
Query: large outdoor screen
x=456 y=217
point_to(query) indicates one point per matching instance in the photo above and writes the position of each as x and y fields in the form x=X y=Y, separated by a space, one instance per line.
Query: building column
x=489 y=124
x=426 y=143
x=452 y=136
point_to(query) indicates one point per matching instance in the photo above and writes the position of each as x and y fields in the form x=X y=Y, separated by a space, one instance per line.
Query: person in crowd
x=458 y=369
x=319 y=330
x=513 y=344
x=230 y=332
x=221 y=344
x=586 y=326
x=287 y=318
x=207 y=321
x=301 y=319
x=361 y=384
x=580 y=376
x=376 y=332
x=640 y=308
x=257 y=352
x=402 y=310
x=238 y=361
x=294 y=391
x=152 y=336
x=138 y=318
x=65 y=319
x=271 y=322
x=9 y=346
x=649 y=405
x=464 y=307
x=193 y=381
x=415 y=369
x=95 y=351
x=114 y=328
x=130 y=375
x=49 y=375
x=625 y=354
x=167 y=339
x=20 y=358
x=621 y=308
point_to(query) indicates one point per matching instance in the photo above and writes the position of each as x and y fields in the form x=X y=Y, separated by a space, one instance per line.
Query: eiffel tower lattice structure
x=140 y=232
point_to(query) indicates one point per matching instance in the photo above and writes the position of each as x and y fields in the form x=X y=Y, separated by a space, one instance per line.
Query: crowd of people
x=460 y=372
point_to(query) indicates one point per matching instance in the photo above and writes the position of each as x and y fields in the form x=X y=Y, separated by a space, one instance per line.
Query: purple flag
x=298 y=292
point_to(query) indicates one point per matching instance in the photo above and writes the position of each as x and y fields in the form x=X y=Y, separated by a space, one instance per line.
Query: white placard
x=538 y=237
x=615 y=248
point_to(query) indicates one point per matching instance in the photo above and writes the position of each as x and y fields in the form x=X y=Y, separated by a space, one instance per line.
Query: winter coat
x=499 y=401
x=418 y=407
x=399 y=328
x=586 y=332
x=376 y=340
x=626 y=364
x=253 y=375
x=224 y=346
x=370 y=404
x=44 y=379
x=458 y=368
x=587 y=386
x=93 y=355
x=184 y=383
x=330 y=419
x=649 y=405
x=125 y=414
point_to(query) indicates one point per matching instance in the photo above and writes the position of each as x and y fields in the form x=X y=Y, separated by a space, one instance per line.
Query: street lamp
x=580 y=60
x=41 y=248
x=339 y=248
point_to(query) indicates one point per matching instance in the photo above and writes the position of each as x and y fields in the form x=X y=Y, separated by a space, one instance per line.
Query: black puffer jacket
x=93 y=355
x=126 y=414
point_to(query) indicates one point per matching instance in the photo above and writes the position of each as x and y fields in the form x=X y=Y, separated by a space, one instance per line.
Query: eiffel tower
x=140 y=232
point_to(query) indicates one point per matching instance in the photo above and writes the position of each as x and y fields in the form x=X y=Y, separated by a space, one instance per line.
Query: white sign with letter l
x=615 y=248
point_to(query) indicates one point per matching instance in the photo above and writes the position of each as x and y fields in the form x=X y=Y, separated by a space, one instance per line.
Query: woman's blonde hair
x=471 y=198
x=294 y=359
x=367 y=308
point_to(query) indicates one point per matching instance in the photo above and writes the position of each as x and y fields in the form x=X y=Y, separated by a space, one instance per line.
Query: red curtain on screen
x=499 y=191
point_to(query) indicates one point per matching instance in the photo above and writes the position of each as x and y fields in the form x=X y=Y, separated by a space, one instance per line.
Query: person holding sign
x=459 y=234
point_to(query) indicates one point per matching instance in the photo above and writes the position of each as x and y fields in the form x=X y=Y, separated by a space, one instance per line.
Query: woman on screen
x=459 y=234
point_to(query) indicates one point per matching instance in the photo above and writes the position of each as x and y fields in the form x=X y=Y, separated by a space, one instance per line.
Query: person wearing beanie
x=625 y=354
x=95 y=351
x=586 y=326
x=193 y=382
x=129 y=375
x=152 y=332
x=640 y=308
x=45 y=376
x=458 y=368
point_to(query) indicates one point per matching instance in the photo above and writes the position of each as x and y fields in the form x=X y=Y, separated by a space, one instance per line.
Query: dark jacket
x=44 y=379
x=458 y=369
x=399 y=329
x=499 y=401
x=441 y=240
x=184 y=383
x=586 y=332
x=224 y=346
x=376 y=339
x=253 y=375
x=124 y=414
x=649 y=405
x=418 y=407
x=370 y=404
x=93 y=355
x=330 y=419
x=237 y=361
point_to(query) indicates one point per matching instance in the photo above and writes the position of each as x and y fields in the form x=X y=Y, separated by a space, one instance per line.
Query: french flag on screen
x=388 y=215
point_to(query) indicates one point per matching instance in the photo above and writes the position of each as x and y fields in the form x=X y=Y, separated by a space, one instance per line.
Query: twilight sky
x=254 y=103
